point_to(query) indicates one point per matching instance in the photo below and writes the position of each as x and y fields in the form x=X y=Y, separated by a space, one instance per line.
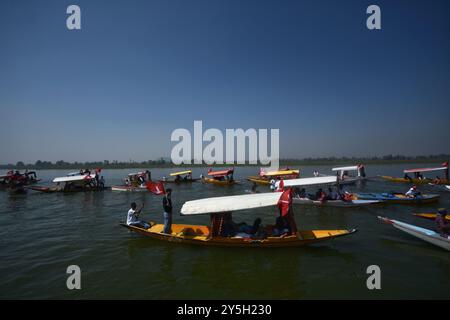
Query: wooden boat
x=322 y=181
x=345 y=178
x=427 y=235
x=398 y=198
x=204 y=235
x=264 y=177
x=430 y=216
x=220 y=178
x=15 y=181
x=419 y=179
x=134 y=182
x=181 y=177
x=336 y=203
x=73 y=183
x=125 y=188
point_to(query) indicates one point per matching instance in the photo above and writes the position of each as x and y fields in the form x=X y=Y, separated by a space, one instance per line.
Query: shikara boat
x=427 y=235
x=419 y=179
x=13 y=181
x=220 y=178
x=73 y=183
x=181 y=177
x=323 y=182
x=204 y=235
x=134 y=182
x=399 y=198
x=264 y=177
x=430 y=216
x=344 y=176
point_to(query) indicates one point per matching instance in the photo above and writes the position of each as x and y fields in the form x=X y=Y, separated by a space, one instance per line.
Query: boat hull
x=430 y=216
x=128 y=189
x=219 y=182
x=399 y=198
x=181 y=181
x=198 y=235
x=56 y=190
x=412 y=180
x=336 y=203
x=259 y=180
x=424 y=234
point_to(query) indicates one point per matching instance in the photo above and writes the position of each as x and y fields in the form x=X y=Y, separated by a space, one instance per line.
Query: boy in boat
x=167 y=205
x=443 y=226
x=132 y=217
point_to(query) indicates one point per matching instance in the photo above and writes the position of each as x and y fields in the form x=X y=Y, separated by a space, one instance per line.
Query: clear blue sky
x=139 y=69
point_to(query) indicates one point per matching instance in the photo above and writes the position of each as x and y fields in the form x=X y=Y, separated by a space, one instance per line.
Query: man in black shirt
x=167 y=205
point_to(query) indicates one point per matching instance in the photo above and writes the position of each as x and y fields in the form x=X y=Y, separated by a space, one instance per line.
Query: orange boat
x=220 y=178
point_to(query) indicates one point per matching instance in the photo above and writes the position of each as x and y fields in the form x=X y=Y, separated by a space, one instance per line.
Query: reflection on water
x=42 y=234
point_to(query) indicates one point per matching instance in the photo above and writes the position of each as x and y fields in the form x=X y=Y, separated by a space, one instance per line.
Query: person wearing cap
x=443 y=226
x=412 y=192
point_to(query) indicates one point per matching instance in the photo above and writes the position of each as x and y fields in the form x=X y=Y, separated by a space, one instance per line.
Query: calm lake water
x=42 y=234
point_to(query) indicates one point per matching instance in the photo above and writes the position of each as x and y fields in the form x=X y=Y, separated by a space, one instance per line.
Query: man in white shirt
x=132 y=217
x=412 y=192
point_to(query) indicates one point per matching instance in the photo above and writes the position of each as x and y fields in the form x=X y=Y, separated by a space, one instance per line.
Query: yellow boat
x=219 y=182
x=430 y=216
x=218 y=207
x=197 y=234
x=221 y=177
x=419 y=179
x=264 y=178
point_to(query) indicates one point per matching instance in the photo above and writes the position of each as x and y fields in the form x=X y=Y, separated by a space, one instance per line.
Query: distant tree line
x=114 y=164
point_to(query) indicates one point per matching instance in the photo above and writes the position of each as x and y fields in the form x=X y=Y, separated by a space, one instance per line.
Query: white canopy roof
x=308 y=181
x=231 y=203
x=74 y=178
x=349 y=168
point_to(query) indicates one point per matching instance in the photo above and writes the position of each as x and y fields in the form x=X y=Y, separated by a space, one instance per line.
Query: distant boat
x=181 y=177
x=419 y=179
x=264 y=177
x=221 y=177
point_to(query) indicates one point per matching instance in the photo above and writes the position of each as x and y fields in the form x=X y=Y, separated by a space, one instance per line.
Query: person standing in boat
x=443 y=226
x=133 y=217
x=167 y=205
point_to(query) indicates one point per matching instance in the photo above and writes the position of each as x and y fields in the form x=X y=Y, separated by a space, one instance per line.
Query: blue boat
x=399 y=198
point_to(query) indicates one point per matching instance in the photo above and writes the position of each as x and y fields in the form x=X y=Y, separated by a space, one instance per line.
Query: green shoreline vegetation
x=165 y=163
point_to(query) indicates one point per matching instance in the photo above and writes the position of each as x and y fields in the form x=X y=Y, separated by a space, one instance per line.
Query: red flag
x=98 y=170
x=156 y=188
x=280 y=186
x=285 y=201
x=445 y=164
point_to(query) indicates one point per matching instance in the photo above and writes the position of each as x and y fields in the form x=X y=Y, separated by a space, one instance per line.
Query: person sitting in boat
x=133 y=215
x=254 y=187
x=347 y=197
x=332 y=195
x=412 y=192
x=281 y=227
x=185 y=178
x=407 y=177
x=230 y=228
x=178 y=178
x=316 y=173
x=320 y=195
x=253 y=229
x=443 y=226
x=437 y=180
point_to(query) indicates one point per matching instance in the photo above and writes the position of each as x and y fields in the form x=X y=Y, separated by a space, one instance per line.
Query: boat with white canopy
x=419 y=178
x=346 y=178
x=73 y=183
x=220 y=208
x=302 y=198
